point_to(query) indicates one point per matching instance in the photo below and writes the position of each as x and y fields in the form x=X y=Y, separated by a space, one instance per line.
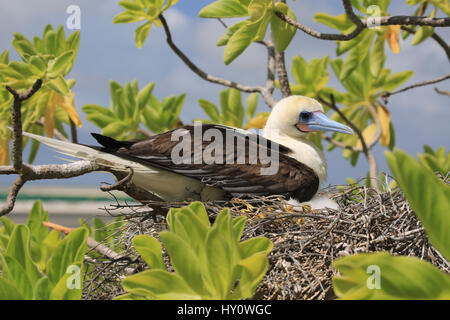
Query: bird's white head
x=296 y=116
x=289 y=123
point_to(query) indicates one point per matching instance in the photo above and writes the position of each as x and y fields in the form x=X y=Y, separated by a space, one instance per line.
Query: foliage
x=436 y=161
x=430 y=203
x=130 y=107
x=232 y=111
x=404 y=277
x=36 y=263
x=49 y=58
x=143 y=10
x=260 y=14
x=210 y=261
x=401 y=277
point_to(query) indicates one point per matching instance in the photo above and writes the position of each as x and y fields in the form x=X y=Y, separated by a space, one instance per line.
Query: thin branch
x=120 y=184
x=16 y=120
x=91 y=243
x=366 y=23
x=282 y=74
x=268 y=98
x=270 y=82
x=73 y=131
x=436 y=38
x=387 y=94
x=333 y=106
x=445 y=93
x=366 y=148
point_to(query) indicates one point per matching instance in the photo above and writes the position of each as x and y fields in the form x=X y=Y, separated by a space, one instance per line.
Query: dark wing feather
x=292 y=178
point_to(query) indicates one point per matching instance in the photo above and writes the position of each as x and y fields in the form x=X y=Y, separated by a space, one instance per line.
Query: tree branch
x=385 y=95
x=445 y=93
x=435 y=36
x=268 y=98
x=363 y=24
x=16 y=120
x=366 y=148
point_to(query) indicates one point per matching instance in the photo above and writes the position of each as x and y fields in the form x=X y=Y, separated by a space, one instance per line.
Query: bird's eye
x=305 y=115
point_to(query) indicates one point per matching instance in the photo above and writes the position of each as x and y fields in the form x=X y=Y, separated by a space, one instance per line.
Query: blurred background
x=108 y=52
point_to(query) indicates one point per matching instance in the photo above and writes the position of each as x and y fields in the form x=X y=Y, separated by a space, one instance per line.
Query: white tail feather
x=87 y=153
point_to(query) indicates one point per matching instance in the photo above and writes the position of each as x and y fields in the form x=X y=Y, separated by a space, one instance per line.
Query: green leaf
x=238 y=42
x=8 y=290
x=430 y=204
x=397 y=79
x=253 y=270
x=60 y=85
x=61 y=62
x=159 y=284
x=66 y=288
x=223 y=9
x=36 y=217
x=115 y=129
x=422 y=34
x=142 y=33
x=131 y=5
x=340 y=22
x=377 y=57
x=283 y=32
x=150 y=250
x=19 y=276
x=68 y=252
x=223 y=40
x=356 y=56
x=127 y=17
x=400 y=277
x=252 y=104
x=19 y=249
x=182 y=257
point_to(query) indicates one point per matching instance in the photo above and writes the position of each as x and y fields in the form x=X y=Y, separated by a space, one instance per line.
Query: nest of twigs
x=305 y=242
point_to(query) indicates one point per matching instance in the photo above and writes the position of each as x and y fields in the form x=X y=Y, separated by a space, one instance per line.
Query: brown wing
x=238 y=171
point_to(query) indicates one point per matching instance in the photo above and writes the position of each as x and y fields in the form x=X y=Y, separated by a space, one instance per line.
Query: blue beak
x=320 y=122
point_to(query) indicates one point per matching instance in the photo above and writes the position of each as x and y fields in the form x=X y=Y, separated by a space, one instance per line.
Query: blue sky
x=108 y=52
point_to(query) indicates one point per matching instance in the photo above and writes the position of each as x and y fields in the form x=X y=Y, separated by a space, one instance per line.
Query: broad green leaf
x=255 y=245
x=397 y=79
x=223 y=40
x=182 y=257
x=8 y=290
x=69 y=285
x=238 y=42
x=159 y=284
x=223 y=9
x=400 y=277
x=282 y=31
x=210 y=109
x=253 y=270
x=68 y=252
x=42 y=289
x=142 y=33
x=377 y=57
x=19 y=276
x=36 y=217
x=127 y=17
x=356 y=56
x=427 y=195
x=422 y=34
x=19 y=249
x=60 y=63
x=60 y=85
x=341 y=22
x=252 y=104
x=150 y=250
